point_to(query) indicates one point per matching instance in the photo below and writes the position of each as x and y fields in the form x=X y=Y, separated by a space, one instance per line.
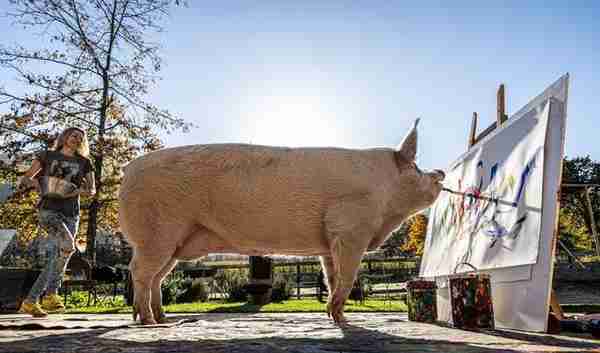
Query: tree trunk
x=92 y=231
x=95 y=205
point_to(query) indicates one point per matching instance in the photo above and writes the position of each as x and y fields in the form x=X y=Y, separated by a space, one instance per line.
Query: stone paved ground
x=253 y=333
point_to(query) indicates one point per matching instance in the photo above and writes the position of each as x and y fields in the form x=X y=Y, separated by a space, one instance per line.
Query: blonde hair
x=84 y=147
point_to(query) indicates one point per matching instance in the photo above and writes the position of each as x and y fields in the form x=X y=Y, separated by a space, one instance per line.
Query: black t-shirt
x=69 y=168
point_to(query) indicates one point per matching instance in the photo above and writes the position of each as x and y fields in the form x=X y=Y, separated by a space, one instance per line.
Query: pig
x=181 y=203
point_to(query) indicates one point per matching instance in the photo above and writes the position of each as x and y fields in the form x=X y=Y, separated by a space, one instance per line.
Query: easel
x=501 y=118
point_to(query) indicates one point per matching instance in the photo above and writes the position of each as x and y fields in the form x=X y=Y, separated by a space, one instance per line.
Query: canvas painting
x=489 y=214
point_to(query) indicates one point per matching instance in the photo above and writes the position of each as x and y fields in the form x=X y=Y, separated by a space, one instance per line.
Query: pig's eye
x=417 y=168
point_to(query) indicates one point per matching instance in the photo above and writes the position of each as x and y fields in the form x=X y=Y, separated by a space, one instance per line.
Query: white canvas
x=520 y=293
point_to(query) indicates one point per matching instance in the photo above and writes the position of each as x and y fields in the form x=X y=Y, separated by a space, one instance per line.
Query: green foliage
x=573 y=232
x=172 y=287
x=283 y=287
x=178 y=289
x=78 y=300
x=193 y=291
x=574 y=219
x=231 y=284
x=393 y=245
x=18 y=213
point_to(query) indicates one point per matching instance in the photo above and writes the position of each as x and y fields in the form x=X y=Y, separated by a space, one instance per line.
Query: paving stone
x=257 y=333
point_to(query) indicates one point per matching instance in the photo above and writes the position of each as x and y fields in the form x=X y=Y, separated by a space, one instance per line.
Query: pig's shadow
x=243 y=308
x=188 y=338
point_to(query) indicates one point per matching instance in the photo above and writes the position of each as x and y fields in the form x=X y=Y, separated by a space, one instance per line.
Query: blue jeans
x=61 y=245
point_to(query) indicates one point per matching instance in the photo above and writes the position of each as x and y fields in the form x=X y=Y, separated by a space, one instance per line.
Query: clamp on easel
x=501 y=118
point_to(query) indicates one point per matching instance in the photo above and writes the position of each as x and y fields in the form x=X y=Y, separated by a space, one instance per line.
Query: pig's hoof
x=159 y=315
x=148 y=321
x=338 y=318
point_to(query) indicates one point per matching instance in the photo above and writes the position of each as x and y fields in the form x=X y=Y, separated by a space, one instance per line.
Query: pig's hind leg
x=145 y=265
x=156 y=294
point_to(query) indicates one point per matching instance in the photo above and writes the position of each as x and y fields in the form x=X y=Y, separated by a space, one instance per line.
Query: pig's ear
x=407 y=150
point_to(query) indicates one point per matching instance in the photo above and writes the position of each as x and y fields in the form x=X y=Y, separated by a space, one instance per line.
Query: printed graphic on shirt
x=66 y=170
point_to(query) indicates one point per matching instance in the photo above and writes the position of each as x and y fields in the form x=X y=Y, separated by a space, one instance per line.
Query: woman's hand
x=26 y=183
x=28 y=180
x=87 y=187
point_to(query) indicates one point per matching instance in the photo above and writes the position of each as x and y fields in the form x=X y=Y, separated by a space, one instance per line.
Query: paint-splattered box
x=421 y=300
x=471 y=300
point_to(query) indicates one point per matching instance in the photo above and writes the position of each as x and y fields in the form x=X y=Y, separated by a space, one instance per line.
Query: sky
x=356 y=74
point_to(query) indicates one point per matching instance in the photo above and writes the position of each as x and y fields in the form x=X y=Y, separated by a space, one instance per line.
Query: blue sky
x=357 y=73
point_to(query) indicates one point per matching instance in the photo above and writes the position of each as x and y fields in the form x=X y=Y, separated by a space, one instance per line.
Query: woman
x=60 y=175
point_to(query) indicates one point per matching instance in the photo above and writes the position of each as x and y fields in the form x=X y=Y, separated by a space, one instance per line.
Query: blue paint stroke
x=524 y=176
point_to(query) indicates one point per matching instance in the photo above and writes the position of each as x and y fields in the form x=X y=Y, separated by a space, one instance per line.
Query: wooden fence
x=391 y=272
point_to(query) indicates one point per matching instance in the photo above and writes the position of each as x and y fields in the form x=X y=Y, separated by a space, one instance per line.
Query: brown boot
x=53 y=303
x=33 y=309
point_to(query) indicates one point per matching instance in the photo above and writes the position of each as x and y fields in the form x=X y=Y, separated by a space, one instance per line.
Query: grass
x=288 y=306
x=581 y=308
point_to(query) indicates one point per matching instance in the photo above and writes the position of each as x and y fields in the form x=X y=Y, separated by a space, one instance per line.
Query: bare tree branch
x=10 y=55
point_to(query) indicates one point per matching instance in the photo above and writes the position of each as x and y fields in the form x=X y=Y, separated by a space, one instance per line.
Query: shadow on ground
x=348 y=339
x=243 y=308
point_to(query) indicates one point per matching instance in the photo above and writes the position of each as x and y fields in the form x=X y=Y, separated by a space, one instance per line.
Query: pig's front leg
x=349 y=230
x=330 y=275
x=347 y=257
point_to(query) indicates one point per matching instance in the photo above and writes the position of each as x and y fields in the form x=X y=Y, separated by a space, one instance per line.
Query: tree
x=93 y=72
x=417 y=230
x=573 y=231
x=393 y=245
x=574 y=220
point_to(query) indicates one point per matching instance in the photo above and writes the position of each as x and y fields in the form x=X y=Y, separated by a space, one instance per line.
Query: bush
x=77 y=299
x=193 y=291
x=171 y=288
x=282 y=288
x=230 y=284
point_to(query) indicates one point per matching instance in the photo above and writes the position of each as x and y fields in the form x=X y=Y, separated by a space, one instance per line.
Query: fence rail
x=390 y=272
x=308 y=280
x=384 y=276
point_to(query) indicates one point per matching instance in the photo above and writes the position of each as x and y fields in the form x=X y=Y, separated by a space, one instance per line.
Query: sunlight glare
x=293 y=121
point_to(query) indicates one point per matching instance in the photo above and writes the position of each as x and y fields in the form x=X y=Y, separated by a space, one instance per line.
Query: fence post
x=297 y=281
x=260 y=284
